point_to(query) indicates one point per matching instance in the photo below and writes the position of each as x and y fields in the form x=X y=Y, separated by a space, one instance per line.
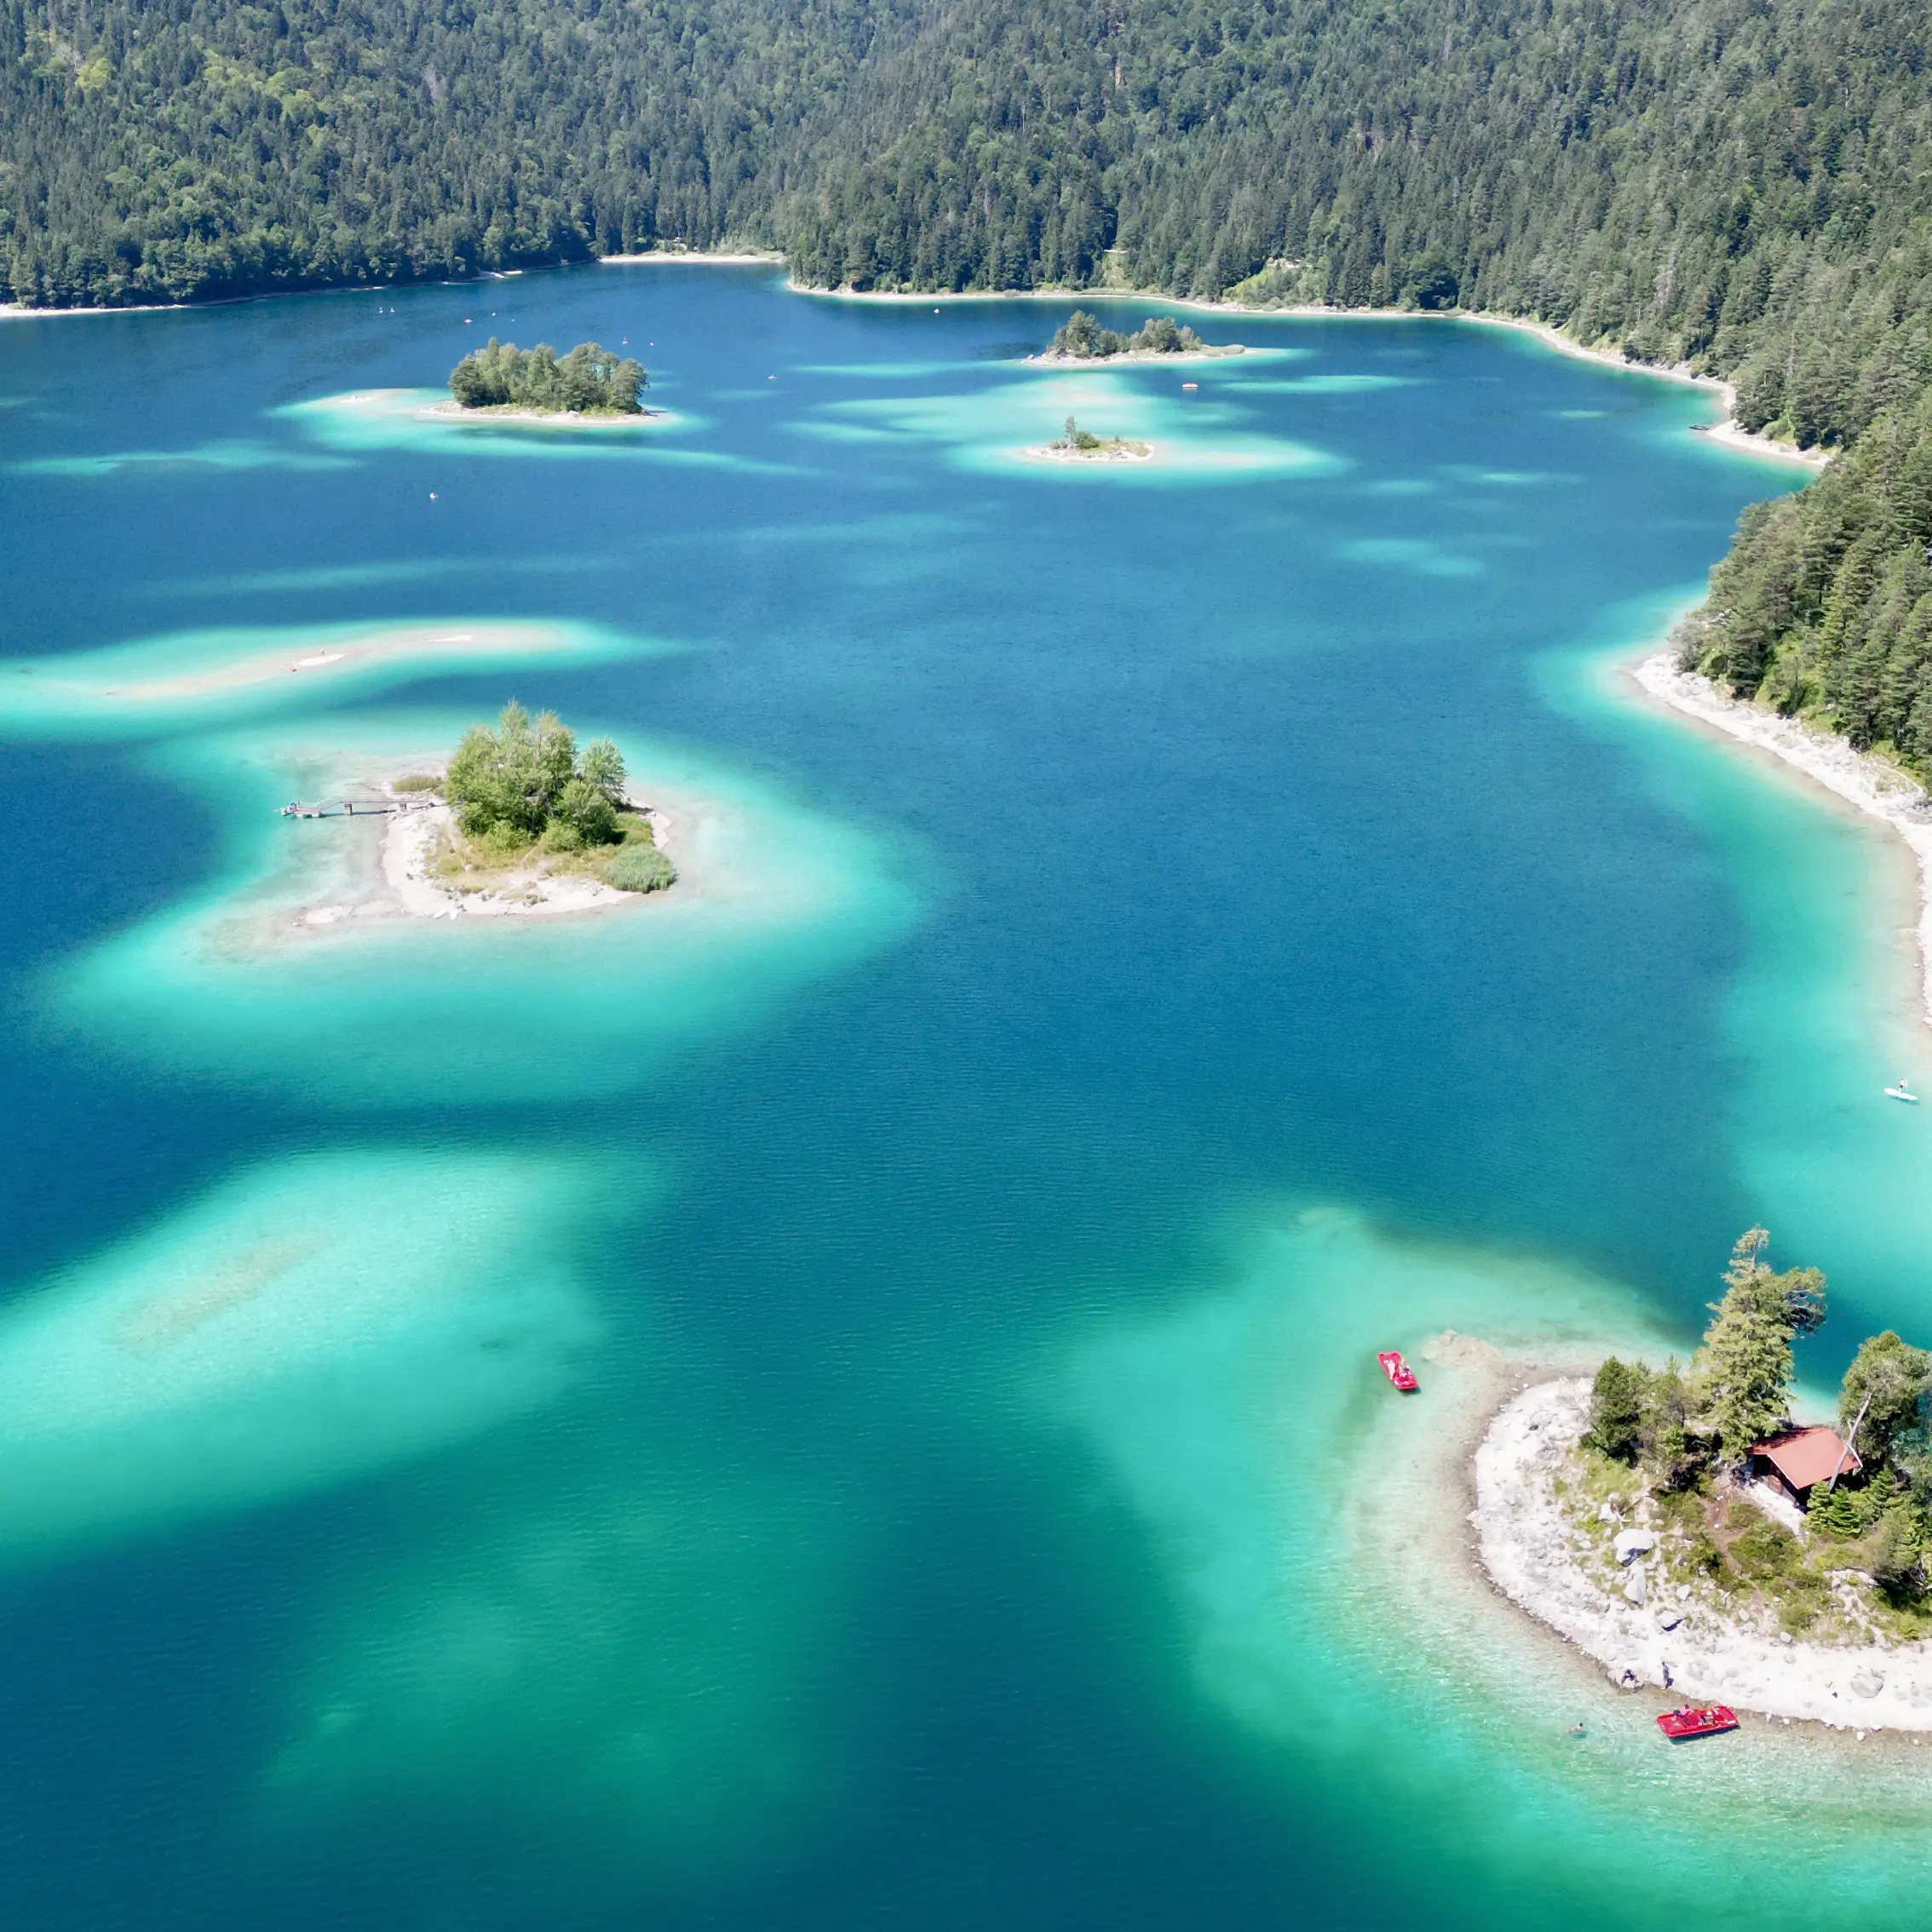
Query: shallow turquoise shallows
x=847 y=1397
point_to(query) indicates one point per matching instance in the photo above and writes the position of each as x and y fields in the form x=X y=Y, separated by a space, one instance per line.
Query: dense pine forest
x=1742 y=185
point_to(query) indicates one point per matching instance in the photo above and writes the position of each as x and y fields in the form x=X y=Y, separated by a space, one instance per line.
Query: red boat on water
x=1697 y=1721
x=1397 y=1370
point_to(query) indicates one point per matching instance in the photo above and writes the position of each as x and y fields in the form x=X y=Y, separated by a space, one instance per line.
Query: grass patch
x=1765 y=1553
x=638 y=868
x=491 y=861
x=418 y=781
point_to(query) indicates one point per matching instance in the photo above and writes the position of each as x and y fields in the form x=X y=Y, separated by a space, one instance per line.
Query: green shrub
x=638 y=868
x=588 y=812
x=1892 y=1555
x=1837 y=1516
x=504 y=839
x=1702 y=1554
x=1799 y=1603
x=1766 y=1552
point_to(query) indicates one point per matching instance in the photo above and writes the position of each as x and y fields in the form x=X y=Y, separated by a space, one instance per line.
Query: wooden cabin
x=1795 y=1460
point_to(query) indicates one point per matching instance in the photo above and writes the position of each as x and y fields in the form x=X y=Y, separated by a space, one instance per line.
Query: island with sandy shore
x=1679 y=1529
x=519 y=822
x=1160 y=338
x=1076 y=445
x=590 y=384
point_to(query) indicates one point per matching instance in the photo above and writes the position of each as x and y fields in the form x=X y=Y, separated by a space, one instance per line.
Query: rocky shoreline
x=1610 y=1604
x=1868 y=784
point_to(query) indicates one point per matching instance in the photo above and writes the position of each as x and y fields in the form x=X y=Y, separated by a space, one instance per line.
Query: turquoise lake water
x=852 y=1400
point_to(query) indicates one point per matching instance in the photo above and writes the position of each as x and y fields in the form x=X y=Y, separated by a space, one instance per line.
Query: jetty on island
x=521 y=820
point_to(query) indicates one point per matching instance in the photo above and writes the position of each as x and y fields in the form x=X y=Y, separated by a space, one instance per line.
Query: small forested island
x=1074 y=443
x=1678 y=1524
x=1081 y=338
x=525 y=805
x=590 y=381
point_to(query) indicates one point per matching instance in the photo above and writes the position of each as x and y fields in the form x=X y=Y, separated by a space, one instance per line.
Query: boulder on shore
x=1632 y=1543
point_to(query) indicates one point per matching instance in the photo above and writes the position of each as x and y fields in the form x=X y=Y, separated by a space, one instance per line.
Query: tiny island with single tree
x=1081 y=338
x=1076 y=445
x=525 y=805
x=591 y=381
x=1678 y=1524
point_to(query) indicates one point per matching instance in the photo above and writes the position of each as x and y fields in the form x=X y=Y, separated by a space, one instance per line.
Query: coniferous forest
x=1742 y=185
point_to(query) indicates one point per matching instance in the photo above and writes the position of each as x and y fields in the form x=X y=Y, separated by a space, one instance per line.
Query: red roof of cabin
x=1805 y=1456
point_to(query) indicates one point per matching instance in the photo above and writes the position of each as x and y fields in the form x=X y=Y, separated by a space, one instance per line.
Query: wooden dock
x=357 y=807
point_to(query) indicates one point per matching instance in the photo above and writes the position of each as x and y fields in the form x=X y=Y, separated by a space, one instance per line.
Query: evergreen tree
x=1743 y=1371
x=1887 y=1381
x=1618 y=1401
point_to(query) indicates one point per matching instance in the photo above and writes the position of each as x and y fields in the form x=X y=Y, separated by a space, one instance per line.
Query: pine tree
x=1617 y=1410
x=1743 y=1371
x=1887 y=1381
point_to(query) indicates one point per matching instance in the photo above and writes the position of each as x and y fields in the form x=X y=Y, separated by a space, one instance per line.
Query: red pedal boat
x=1397 y=1370
x=1697 y=1721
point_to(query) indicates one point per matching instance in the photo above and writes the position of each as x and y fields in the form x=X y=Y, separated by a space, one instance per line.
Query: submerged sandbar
x=149 y=685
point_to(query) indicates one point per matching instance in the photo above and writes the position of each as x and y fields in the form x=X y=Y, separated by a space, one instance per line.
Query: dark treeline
x=183 y=149
x=1824 y=605
x=1741 y=185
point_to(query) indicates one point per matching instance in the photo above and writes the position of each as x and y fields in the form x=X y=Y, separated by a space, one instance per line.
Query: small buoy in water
x=432 y=495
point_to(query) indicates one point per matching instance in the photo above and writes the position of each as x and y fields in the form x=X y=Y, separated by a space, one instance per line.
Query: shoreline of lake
x=1109 y=452
x=1208 y=352
x=454 y=411
x=1869 y=785
x=1728 y=433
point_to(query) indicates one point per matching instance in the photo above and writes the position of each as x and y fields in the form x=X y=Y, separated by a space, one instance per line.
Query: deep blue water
x=1252 y=867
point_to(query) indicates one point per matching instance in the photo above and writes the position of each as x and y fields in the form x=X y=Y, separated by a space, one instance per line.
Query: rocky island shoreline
x=1680 y=1529
x=1610 y=1589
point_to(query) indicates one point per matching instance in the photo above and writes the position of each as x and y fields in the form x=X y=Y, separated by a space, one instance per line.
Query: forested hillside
x=1745 y=185
x=176 y=149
